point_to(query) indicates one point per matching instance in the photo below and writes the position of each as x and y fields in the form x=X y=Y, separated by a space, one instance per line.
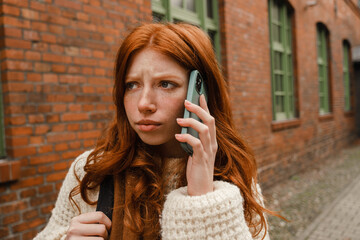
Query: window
x=346 y=75
x=2 y=132
x=282 y=65
x=200 y=13
x=322 y=40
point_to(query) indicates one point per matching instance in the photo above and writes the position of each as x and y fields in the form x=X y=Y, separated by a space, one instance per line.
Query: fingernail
x=187 y=102
x=179 y=119
x=177 y=135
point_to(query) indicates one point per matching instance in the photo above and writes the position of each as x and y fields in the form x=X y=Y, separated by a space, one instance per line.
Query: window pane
x=277 y=61
x=212 y=36
x=209 y=9
x=158 y=17
x=280 y=104
x=190 y=5
x=177 y=3
x=275 y=12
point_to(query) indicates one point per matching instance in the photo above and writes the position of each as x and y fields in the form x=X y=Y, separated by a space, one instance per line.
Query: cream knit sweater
x=216 y=215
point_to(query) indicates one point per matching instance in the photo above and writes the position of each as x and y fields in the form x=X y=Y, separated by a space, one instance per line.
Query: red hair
x=120 y=150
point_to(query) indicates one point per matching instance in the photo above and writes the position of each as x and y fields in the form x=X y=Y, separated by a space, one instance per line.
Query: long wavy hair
x=120 y=150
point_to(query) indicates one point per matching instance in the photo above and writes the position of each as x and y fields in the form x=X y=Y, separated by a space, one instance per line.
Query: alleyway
x=320 y=203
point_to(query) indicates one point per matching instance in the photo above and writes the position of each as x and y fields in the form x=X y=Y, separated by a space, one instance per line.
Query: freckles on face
x=155 y=90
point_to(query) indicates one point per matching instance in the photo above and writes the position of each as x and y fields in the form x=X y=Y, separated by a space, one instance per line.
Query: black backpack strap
x=105 y=202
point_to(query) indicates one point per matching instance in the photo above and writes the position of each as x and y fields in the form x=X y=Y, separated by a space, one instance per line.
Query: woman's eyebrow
x=167 y=76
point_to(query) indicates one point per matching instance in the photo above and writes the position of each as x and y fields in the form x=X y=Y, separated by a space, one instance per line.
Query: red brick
x=45 y=149
x=28 y=225
x=28 y=193
x=19 y=131
x=34 y=77
x=8 y=197
x=58 y=128
x=36 y=140
x=12 y=32
x=18 y=65
x=46 y=189
x=13 y=54
x=16 y=120
x=45 y=169
x=42 y=67
x=32 y=55
x=28 y=182
x=68 y=4
x=44 y=159
x=30 y=234
x=47 y=209
x=38 y=6
x=60 y=137
x=19 y=3
x=56 y=176
x=30 y=14
x=21 y=152
x=18 y=141
x=58 y=68
x=13 y=207
x=11 y=219
x=16 y=22
x=61 y=147
x=10 y=10
x=74 y=117
x=71 y=154
x=41 y=129
x=30 y=214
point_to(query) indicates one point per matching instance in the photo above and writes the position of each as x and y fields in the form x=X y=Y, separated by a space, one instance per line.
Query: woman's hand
x=92 y=225
x=200 y=166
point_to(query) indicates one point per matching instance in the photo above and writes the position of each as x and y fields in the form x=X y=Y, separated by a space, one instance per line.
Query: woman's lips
x=147 y=125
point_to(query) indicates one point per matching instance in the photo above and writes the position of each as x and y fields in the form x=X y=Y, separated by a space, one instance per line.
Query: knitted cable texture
x=215 y=215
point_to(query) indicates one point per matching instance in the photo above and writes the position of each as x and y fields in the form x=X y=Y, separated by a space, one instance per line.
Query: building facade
x=292 y=68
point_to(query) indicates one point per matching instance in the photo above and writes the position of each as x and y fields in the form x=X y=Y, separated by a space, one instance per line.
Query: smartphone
x=196 y=88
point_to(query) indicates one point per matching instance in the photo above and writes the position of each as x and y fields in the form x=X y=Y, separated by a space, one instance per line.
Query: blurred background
x=292 y=68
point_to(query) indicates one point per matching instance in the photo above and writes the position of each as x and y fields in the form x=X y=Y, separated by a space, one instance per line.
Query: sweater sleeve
x=215 y=215
x=64 y=211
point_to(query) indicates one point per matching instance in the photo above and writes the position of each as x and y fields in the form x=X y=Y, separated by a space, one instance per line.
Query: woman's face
x=155 y=91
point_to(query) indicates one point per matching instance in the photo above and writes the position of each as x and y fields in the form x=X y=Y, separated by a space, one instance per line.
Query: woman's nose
x=147 y=101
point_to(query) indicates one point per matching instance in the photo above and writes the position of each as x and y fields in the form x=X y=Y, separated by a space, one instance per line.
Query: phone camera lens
x=198 y=84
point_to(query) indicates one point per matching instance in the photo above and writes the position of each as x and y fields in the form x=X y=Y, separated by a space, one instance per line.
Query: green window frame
x=346 y=75
x=323 y=68
x=203 y=13
x=2 y=129
x=282 y=64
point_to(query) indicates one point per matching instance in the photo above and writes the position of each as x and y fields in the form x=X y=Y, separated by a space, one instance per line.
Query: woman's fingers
x=89 y=230
x=95 y=217
x=192 y=141
x=203 y=113
x=92 y=225
x=202 y=129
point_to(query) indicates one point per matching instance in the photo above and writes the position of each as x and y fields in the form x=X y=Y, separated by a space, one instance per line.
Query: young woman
x=160 y=191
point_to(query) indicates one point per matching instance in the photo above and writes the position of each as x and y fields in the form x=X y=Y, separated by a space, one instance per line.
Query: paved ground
x=321 y=203
x=340 y=220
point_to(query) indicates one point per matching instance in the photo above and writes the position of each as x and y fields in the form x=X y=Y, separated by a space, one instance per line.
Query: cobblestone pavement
x=340 y=220
x=323 y=196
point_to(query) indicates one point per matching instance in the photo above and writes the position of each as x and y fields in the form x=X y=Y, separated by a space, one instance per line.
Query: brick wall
x=56 y=71
x=282 y=149
x=56 y=68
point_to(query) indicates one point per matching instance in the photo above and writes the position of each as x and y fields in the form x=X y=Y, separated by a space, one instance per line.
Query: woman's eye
x=165 y=84
x=130 y=85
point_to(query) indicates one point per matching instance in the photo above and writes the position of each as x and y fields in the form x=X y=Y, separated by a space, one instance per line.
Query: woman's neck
x=170 y=149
